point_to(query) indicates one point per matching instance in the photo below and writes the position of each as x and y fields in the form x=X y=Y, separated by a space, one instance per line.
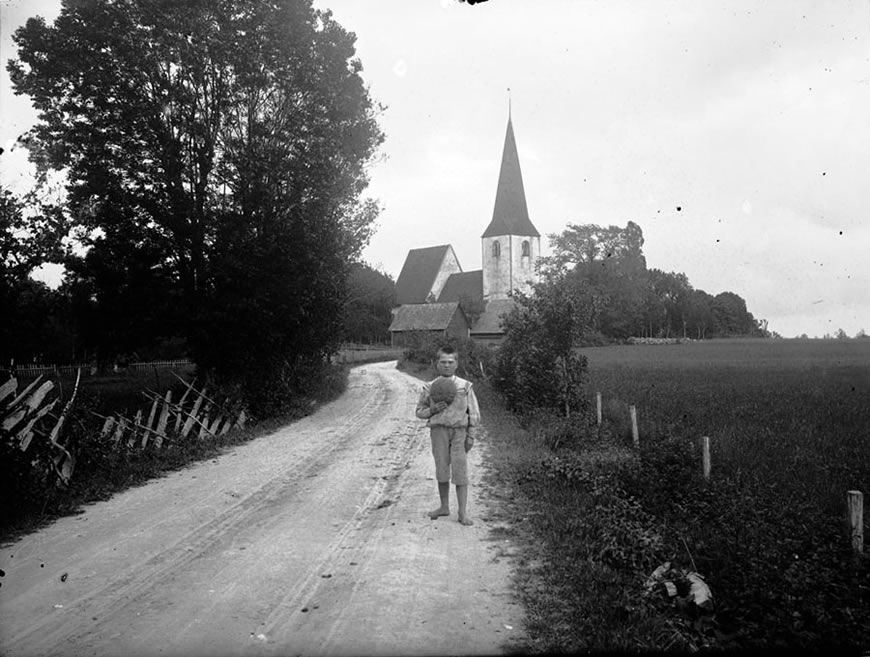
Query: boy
x=452 y=428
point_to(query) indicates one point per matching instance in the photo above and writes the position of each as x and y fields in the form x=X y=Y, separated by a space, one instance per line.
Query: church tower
x=511 y=244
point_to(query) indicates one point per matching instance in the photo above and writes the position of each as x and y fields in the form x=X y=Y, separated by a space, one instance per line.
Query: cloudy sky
x=736 y=134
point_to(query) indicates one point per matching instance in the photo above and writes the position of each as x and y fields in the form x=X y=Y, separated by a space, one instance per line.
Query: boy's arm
x=424 y=410
x=473 y=411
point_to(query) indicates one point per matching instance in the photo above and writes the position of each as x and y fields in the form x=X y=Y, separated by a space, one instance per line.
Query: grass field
x=788 y=422
x=797 y=411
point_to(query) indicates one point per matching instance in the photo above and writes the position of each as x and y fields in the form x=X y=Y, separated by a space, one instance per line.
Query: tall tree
x=730 y=316
x=611 y=260
x=34 y=322
x=700 y=320
x=673 y=292
x=371 y=296
x=220 y=145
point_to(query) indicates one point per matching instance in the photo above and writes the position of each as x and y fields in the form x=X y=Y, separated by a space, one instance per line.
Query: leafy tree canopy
x=627 y=299
x=219 y=148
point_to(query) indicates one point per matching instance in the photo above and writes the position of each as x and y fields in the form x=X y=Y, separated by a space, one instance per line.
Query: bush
x=538 y=362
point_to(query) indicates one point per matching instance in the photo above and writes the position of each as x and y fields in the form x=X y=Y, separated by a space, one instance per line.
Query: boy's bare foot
x=437 y=513
x=465 y=520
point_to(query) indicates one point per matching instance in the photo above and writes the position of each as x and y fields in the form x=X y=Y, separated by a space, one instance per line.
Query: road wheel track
x=375 y=432
x=118 y=595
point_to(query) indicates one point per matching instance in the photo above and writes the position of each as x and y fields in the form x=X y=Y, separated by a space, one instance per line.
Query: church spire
x=511 y=215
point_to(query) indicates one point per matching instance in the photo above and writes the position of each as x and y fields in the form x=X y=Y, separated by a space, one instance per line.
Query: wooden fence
x=366 y=354
x=27 y=371
x=29 y=414
x=348 y=353
x=195 y=415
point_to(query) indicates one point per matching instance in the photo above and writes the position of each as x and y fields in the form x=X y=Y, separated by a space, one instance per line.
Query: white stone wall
x=510 y=270
x=449 y=266
x=523 y=266
x=496 y=270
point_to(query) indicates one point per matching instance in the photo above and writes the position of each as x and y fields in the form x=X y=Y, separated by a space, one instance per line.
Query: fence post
x=598 y=407
x=634 y=435
x=164 y=418
x=856 y=519
x=705 y=442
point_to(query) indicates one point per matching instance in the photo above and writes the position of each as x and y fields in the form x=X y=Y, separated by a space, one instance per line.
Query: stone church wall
x=449 y=266
x=510 y=269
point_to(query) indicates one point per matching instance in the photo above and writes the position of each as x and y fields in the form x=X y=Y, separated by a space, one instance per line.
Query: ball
x=442 y=389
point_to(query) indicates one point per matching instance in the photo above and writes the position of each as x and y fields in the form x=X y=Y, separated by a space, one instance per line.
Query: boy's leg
x=441 y=453
x=462 y=498
x=459 y=470
x=444 y=494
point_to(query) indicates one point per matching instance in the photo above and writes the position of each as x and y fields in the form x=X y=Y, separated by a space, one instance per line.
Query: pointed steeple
x=511 y=215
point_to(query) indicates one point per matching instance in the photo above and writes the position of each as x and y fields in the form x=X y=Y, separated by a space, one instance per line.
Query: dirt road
x=312 y=541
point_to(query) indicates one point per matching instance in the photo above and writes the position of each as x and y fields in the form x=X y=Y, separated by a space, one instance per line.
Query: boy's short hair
x=447 y=350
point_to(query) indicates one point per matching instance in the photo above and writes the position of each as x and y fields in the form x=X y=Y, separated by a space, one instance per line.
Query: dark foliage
x=539 y=366
x=370 y=298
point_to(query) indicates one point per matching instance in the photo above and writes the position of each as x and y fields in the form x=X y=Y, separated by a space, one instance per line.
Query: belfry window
x=527 y=251
x=496 y=249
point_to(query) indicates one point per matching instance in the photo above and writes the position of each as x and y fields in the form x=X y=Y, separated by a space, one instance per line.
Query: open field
x=789 y=423
x=797 y=411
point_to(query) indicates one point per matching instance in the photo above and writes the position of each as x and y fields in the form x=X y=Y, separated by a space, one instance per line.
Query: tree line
x=594 y=289
x=605 y=267
x=215 y=154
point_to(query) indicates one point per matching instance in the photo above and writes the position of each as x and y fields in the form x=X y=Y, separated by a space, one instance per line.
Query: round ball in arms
x=442 y=389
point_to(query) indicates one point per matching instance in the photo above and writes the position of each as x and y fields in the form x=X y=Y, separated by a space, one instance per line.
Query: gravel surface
x=312 y=540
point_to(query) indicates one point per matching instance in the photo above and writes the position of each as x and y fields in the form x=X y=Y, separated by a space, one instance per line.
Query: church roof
x=464 y=284
x=419 y=272
x=490 y=320
x=424 y=316
x=511 y=215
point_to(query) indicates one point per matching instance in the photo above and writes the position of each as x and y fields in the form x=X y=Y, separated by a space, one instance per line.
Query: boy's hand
x=438 y=407
x=469 y=442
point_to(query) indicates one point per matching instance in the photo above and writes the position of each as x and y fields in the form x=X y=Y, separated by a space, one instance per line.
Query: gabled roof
x=511 y=215
x=418 y=273
x=464 y=284
x=490 y=320
x=424 y=316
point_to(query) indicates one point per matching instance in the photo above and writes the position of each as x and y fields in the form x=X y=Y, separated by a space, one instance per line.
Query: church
x=434 y=293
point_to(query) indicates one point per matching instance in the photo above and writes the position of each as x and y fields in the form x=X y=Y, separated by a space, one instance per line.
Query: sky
x=736 y=134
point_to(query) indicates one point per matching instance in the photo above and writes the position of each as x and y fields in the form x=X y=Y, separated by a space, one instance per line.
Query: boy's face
x=446 y=364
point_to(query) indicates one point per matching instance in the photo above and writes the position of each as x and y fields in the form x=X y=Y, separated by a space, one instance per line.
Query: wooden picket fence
x=194 y=415
x=27 y=414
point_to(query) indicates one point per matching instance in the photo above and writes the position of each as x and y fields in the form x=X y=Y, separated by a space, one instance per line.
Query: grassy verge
x=583 y=546
x=577 y=569
x=29 y=501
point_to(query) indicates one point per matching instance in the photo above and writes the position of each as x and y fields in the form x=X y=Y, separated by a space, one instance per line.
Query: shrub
x=538 y=362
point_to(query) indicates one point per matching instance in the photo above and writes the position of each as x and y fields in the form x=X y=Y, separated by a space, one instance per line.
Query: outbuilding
x=441 y=320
